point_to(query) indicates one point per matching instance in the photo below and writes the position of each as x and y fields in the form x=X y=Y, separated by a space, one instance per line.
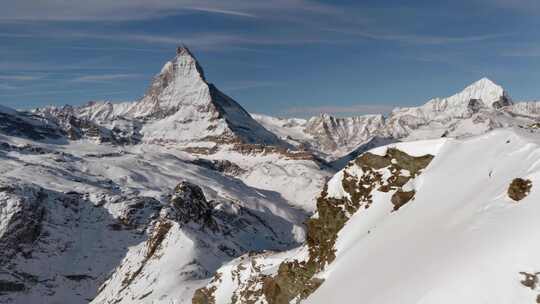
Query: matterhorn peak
x=184 y=64
x=180 y=106
x=182 y=49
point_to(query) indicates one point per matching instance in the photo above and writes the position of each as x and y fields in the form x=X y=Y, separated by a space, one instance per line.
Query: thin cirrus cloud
x=121 y=10
x=343 y=110
x=418 y=39
x=105 y=77
x=203 y=41
x=533 y=51
x=20 y=77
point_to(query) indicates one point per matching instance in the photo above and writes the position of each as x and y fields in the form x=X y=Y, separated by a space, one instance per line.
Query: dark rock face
x=22 y=214
x=137 y=213
x=503 y=102
x=27 y=126
x=7 y=286
x=223 y=166
x=474 y=105
x=190 y=205
x=519 y=189
x=400 y=198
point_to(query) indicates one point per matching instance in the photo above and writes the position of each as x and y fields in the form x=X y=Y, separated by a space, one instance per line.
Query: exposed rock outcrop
x=519 y=188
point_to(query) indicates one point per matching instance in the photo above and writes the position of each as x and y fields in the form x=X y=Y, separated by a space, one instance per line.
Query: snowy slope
x=460 y=238
x=291 y=129
x=103 y=205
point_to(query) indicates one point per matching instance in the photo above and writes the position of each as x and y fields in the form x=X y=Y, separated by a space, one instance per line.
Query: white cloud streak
x=104 y=77
x=122 y=10
x=20 y=77
x=419 y=39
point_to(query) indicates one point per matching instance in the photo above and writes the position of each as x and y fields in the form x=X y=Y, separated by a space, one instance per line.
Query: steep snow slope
x=443 y=235
x=461 y=234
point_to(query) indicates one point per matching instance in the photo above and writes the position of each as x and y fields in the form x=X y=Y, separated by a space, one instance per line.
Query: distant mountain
x=180 y=107
x=480 y=107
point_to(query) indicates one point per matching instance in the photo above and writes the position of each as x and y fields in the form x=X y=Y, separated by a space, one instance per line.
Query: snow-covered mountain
x=180 y=107
x=480 y=107
x=184 y=197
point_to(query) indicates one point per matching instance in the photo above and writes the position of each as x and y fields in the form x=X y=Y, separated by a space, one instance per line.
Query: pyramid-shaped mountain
x=181 y=107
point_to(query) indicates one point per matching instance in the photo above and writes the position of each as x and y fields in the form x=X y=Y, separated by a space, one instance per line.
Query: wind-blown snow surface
x=461 y=240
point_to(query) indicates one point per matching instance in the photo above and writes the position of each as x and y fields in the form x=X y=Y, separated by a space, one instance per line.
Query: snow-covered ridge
x=483 y=92
x=441 y=246
x=444 y=246
x=478 y=108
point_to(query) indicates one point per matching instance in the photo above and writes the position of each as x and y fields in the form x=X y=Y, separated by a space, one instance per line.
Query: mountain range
x=184 y=197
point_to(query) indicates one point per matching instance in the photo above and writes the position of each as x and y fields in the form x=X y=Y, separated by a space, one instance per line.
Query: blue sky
x=283 y=57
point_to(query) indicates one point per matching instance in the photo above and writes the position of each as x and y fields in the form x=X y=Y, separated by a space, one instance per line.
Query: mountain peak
x=490 y=93
x=485 y=84
x=182 y=50
x=485 y=81
x=180 y=106
x=184 y=64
